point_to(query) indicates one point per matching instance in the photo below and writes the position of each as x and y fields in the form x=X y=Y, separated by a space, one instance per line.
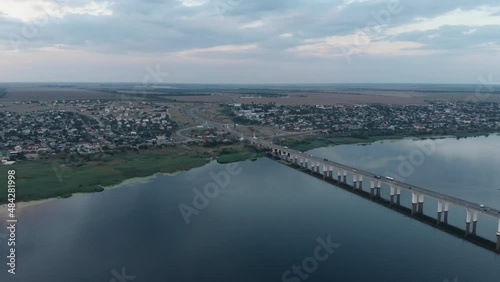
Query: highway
x=403 y=185
x=493 y=212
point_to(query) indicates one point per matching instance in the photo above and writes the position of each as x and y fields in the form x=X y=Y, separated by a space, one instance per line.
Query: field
x=26 y=93
x=283 y=94
x=238 y=156
x=367 y=97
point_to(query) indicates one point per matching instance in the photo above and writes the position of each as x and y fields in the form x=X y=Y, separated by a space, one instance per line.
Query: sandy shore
x=21 y=206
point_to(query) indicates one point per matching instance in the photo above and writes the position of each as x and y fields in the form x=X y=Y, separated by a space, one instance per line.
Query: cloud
x=31 y=10
x=481 y=16
x=302 y=35
x=286 y=35
x=337 y=46
x=254 y=24
x=217 y=49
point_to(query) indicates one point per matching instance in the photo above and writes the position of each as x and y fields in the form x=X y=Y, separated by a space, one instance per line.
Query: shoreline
x=321 y=141
x=233 y=157
x=157 y=164
x=20 y=206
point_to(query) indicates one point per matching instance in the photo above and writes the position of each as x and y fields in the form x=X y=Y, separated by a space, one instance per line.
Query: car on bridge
x=484 y=208
x=377 y=176
x=389 y=178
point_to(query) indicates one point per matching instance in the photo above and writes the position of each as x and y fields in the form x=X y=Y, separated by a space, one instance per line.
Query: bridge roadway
x=472 y=208
x=405 y=186
x=493 y=212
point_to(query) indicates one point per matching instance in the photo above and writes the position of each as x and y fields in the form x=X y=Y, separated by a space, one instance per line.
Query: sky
x=250 y=41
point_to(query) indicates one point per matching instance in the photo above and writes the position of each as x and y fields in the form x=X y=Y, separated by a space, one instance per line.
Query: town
x=83 y=127
x=86 y=127
x=435 y=118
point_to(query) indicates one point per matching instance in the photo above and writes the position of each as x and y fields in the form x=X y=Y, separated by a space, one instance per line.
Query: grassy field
x=317 y=141
x=238 y=156
x=43 y=179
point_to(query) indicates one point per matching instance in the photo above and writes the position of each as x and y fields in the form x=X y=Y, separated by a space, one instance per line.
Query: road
x=403 y=185
x=493 y=212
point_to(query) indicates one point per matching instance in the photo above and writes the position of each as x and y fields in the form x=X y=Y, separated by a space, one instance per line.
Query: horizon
x=251 y=84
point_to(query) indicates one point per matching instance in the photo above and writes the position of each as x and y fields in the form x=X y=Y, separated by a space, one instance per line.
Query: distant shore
x=320 y=141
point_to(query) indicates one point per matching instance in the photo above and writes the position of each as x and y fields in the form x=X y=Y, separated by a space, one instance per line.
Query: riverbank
x=45 y=179
x=310 y=142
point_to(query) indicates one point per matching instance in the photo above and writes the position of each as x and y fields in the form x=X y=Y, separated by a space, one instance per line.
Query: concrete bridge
x=326 y=168
x=339 y=174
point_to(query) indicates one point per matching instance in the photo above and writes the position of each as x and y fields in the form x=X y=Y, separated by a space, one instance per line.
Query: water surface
x=267 y=219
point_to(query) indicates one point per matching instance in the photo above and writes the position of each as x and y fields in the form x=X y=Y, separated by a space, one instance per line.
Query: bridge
x=326 y=168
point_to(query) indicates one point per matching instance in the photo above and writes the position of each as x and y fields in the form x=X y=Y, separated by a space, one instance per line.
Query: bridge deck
x=493 y=212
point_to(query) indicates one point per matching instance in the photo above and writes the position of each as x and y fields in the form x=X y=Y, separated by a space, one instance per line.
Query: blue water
x=267 y=219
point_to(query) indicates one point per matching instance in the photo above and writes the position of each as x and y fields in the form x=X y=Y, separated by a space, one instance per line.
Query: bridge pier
x=317 y=167
x=392 y=194
x=345 y=177
x=414 y=201
x=372 y=188
x=398 y=196
x=360 y=182
x=446 y=207
x=330 y=172
x=338 y=176
x=325 y=171
x=467 y=222
x=440 y=210
x=498 y=237
x=474 y=222
x=377 y=189
x=421 y=204
x=354 y=180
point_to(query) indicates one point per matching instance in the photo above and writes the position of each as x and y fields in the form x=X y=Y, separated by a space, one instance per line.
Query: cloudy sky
x=250 y=41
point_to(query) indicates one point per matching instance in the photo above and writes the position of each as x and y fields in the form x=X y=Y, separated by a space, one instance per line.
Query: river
x=262 y=218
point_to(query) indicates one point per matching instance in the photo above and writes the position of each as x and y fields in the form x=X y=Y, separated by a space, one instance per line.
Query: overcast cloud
x=250 y=41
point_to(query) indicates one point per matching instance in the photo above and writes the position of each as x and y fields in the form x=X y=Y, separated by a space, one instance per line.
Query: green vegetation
x=52 y=178
x=232 y=157
x=317 y=141
x=43 y=179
